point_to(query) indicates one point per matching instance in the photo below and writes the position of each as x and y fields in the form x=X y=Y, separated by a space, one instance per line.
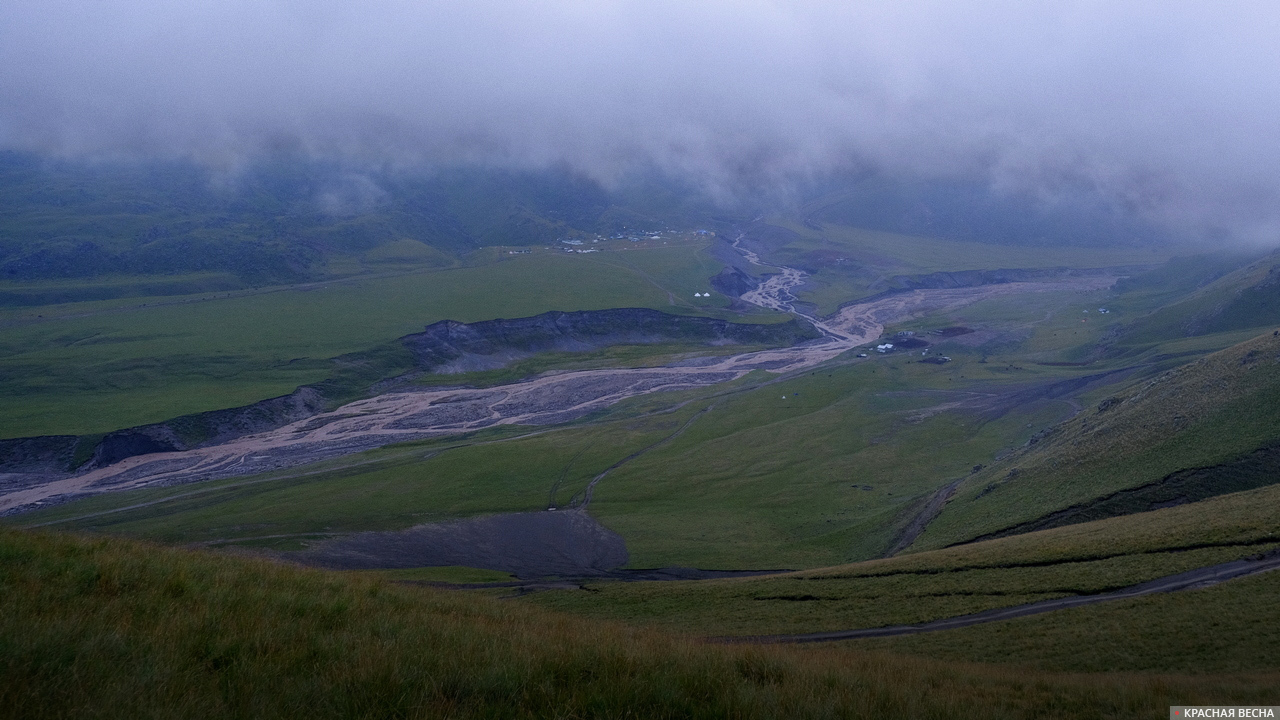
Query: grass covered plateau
x=93 y=367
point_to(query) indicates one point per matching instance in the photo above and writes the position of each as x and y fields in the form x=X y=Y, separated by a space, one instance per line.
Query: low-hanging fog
x=1167 y=110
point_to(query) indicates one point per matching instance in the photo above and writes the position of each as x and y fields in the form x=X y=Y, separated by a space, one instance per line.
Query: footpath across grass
x=1228 y=628
x=109 y=628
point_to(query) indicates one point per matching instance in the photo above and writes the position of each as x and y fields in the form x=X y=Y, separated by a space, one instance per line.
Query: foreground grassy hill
x=114 y=629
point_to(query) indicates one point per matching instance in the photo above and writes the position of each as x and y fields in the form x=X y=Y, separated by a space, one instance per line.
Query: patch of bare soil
x=529 y=545
x=950 y=332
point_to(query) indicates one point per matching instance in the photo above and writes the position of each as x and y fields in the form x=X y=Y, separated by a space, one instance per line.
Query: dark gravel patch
x=529 y=545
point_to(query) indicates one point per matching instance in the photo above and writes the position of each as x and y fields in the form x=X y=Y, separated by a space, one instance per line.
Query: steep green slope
x=1215 y=411
x=113 y=629
x=1248 y=297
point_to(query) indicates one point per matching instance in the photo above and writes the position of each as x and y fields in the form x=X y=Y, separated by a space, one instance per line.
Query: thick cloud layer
x=1167 y=108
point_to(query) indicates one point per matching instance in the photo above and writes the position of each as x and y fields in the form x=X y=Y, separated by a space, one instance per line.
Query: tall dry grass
x=108 y=628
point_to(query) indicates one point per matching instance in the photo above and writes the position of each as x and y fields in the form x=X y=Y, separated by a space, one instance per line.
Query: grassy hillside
x=108 y=628
x=1206 y=413
x=1080 y=559
x=815 y=470
x=1229 y=628
x=1248 y=297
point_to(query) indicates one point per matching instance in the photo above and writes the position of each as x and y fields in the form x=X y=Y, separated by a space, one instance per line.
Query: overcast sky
x=1170 y=108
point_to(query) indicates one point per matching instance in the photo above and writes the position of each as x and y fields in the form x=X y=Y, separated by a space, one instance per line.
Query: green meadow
x=814 y=470
x=97 y=366
x=869 y=491
x=1226 y=629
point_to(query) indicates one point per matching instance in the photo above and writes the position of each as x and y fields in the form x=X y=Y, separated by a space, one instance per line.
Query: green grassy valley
x=97 y=366
x=631 y=360
x=1017 y=445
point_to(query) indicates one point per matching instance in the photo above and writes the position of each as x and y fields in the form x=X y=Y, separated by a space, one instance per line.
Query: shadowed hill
x=1199 y=430
x=289 y=219
x=1247 y=297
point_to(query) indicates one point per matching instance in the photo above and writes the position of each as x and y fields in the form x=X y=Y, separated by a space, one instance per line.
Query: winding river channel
x=547 y=400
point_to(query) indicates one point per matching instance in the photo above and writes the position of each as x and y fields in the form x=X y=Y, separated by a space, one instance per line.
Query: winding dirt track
x=547 y=400
x=1191 y=580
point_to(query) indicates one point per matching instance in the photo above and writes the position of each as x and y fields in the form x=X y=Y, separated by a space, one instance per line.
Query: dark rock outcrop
x=733 y=282
x=1260 y=468
x=450 y=346
x=43 y=454
x=206 y=428
x=530 y=545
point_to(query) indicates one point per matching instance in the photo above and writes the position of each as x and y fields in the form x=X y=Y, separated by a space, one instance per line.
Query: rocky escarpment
x=63 y=453
x=444 y=347
x=733 y=282
x=46 y=453
x=1256 y=469
x=449 y=346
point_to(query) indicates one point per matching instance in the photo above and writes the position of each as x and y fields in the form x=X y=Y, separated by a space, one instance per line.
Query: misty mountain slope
x=848 y=262
x=965 y=210
x=1247 y=297
x=285 y=220
x=1216 y=411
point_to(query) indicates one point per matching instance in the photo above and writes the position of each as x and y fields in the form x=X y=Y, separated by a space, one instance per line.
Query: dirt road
x=1191 y=580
